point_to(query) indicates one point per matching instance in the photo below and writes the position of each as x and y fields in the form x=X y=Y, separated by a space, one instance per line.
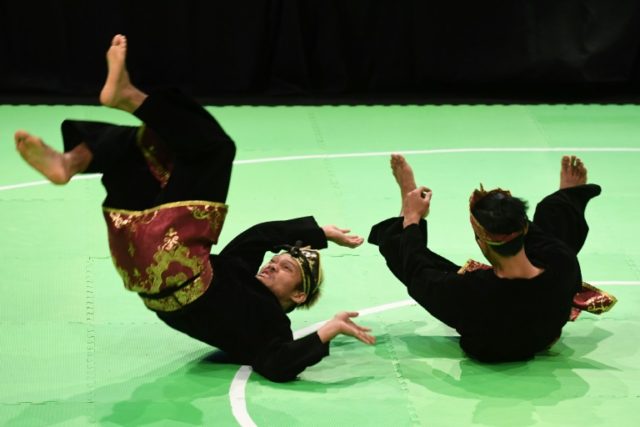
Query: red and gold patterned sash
x=159 y=249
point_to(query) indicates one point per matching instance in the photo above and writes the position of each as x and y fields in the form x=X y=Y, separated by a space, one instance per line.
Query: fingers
x=359 y=333
x=366 y=338
x=347 y=314
x=363 y=336
x=421 y=193
x=426 y=193
x=354 y=241
x=414 y=193
x=421 y=189
x=360 y=328
x=350 y=241
x=335 y=227
x=347 y=327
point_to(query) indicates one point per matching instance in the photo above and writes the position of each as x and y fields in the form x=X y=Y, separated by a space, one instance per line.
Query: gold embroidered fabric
x=591 y=299
x=473 y=265
x=159 y=249
x=155 y=155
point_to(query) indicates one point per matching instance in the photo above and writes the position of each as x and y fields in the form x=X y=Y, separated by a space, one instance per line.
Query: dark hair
x=310 y=301
x=315 y=296
x=502 y=214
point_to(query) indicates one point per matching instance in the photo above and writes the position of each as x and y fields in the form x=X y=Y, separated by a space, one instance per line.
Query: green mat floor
x=76 y=349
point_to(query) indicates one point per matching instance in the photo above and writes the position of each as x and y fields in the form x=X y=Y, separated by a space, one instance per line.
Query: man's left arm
x=283 y=360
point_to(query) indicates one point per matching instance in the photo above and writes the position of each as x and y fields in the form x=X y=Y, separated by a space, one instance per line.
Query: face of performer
x=282 y=276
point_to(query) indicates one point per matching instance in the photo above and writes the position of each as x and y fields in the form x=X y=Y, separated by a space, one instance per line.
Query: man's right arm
x=253 y=243
x=431 y=279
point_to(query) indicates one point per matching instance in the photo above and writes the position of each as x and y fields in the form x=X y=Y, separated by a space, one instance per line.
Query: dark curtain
x=277 y=51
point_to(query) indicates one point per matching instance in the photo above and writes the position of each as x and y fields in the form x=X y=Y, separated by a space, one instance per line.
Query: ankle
x=132 y=99
x=77 y=160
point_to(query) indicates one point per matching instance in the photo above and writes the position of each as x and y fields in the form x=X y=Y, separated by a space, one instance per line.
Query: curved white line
x=239 y=382
x=384 y=153
x=236 y=397
x=444 y=151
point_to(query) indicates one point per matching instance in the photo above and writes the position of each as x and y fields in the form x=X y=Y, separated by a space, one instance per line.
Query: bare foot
x=42 y=158
x=403 y=174
x=572 y=172
x=118 y=92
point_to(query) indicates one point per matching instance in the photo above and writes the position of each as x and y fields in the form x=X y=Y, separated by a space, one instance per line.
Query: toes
x=20 y=139
x=395 y=161
x=581 y=169
x=118 y=40
x=21 y=135
x=577 y=165
x=566 y=163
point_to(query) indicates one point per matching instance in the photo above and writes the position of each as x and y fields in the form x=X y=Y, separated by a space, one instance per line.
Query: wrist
x=328 y=331
x=410 y=219
x=328 y=233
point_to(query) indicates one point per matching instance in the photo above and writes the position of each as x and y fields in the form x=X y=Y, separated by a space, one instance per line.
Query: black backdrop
x=288 y=51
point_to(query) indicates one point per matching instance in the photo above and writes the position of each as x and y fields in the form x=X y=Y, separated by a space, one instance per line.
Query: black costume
x=161 y=179
x=498 y=319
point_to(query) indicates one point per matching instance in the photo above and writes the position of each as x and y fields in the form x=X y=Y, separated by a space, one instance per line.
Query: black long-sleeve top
x=498 y=319
x=240 y=316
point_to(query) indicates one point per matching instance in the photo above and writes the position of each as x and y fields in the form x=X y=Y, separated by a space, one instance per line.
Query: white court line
x=236 y=397
x=615 y=283
x=385 y=153
x=239 y=382
x=44 y=182
x=447 y=151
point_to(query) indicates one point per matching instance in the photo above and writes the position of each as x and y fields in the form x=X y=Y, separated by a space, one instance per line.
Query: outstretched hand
x=342 y=324
x=341 y=236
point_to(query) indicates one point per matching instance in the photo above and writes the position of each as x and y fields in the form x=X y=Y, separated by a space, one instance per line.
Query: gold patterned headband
x=492 y=239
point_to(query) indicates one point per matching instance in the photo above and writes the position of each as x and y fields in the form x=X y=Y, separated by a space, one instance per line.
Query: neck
x=514 y=267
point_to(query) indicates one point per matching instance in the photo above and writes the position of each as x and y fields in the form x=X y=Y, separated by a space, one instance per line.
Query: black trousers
x=201 y=153
x=562 y=214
